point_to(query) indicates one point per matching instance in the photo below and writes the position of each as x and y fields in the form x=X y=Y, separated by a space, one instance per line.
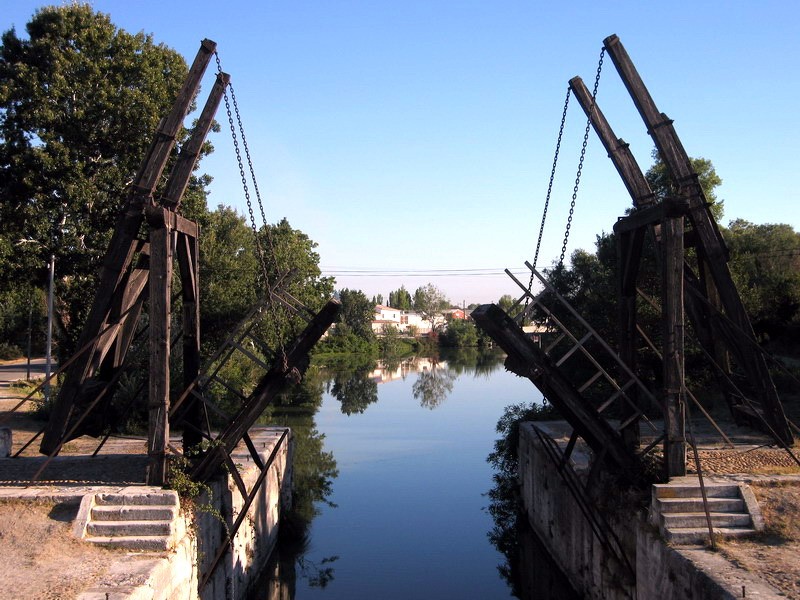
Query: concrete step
x=718 y=519
x=714 y=490
x=695 y=505
x=698 y=535
x=160 y=498
x=128 y=528
x=141 y=543
x=116 y=512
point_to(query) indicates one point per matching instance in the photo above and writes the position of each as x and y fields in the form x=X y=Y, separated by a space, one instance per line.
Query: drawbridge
x=137 y=274
x=603 y=399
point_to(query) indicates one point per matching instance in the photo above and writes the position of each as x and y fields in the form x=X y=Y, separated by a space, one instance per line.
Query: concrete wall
x=256 y=538
x=661 y=571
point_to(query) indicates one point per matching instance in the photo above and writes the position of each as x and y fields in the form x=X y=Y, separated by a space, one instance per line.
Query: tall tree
x=400 y=298
x=662 y=184
x=79 y=102
x=357 y=313
x=429 y=302
x=765 y=264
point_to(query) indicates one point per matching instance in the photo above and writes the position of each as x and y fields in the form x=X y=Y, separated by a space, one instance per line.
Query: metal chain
x=583 y=155
x=549 y=190
x=259 y=250
x=242 y=175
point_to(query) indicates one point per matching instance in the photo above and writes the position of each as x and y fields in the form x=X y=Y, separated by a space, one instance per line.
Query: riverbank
x=44 y=559
x=633 y=560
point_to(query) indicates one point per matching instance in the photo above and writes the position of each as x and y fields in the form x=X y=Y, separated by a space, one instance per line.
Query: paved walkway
x=14 y=370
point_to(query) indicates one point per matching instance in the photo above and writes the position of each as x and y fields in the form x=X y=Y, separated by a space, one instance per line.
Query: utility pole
x=49 y=329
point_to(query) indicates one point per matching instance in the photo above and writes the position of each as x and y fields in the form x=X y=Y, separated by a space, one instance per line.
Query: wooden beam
x=182 y=172
x=158 y=390
x=527 y=360
x=618 y=150
x=151 y=169
x=283 y=370
x=189 y=266
x=673 y=353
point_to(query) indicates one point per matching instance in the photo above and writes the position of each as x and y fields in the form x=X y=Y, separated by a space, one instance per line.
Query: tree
x=765 y=264
x=433 y=386
x=229 y=273
x=429 y=302
x=357 y=313
x=662 y=184
x=460 y=334
x=79 y=102
x=400 y=298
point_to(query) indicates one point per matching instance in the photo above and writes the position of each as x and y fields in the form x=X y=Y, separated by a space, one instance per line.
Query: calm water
x=406 y=515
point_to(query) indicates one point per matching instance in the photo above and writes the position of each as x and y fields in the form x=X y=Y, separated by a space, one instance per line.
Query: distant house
x=402 y=320
x=455 y=314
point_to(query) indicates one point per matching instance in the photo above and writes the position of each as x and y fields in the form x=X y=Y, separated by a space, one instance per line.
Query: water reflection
x=395 y=455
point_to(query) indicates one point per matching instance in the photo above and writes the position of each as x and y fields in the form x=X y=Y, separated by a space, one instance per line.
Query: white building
x=402 y=320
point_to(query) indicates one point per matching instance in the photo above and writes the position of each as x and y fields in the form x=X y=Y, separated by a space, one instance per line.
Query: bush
x=460 y=334
x=9 y=351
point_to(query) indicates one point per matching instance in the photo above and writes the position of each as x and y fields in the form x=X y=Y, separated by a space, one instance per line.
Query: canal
x=392 y=480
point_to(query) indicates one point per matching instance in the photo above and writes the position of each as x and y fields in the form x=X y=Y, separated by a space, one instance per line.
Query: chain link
x=583 y=156
x=253 y=226
x=549 y=191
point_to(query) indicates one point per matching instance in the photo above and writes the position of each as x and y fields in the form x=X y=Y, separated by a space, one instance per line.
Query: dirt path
x=41 y=558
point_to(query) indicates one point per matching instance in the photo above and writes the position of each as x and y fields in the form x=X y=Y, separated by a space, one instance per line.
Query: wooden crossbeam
x=284 y=368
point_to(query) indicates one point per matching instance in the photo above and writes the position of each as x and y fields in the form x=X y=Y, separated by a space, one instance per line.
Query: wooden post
x=672 y=298
x=629 y=251
x=188 y=263
x=158 y=391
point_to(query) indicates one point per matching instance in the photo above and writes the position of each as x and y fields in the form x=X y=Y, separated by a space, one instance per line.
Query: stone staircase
x=141 y=519
x=677 y=509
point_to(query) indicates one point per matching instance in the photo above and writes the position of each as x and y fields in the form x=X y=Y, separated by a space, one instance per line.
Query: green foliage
x=459 y=334
x=400 y=298
x=357 y=313
x=429 y=302
x=391 y=344
x=661 y=182
x=765 y=264
x=341 y=339
x=79 y=103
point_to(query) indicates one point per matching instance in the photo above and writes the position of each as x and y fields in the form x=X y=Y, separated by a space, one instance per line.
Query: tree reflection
x=433 y=385
x=355 y=389
x=529 y=570
x=314 y=470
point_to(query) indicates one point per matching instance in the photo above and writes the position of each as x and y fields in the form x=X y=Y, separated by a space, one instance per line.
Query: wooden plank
x=188 y=264
x=182 y=172
x=158 y=391
x=527 y=360
x=672 y=294
x=618 y=150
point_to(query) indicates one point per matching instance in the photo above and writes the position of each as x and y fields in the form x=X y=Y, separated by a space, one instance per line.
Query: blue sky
x=418 y=136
